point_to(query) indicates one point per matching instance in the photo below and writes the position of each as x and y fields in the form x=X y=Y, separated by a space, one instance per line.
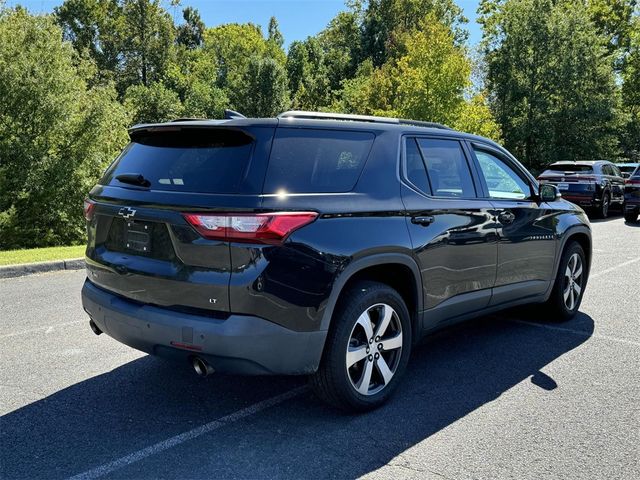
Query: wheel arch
x=581 y=234
x=399 y=271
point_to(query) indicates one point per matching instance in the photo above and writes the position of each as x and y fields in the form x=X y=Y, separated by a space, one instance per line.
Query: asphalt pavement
x=512 y=395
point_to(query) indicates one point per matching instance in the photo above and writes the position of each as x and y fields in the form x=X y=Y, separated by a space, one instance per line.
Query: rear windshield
x=314 y=160
x=636 y=173
x=185 y=160
x=570 y=168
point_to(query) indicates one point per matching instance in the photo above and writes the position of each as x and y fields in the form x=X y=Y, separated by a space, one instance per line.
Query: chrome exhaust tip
x=201 y=367
x=95 y=327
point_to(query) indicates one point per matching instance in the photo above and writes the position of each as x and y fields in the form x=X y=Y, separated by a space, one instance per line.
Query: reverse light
x=269 y=228
x=88 y=208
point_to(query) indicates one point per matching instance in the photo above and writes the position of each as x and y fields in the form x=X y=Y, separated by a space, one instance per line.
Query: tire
x=566 y=296
x=603 y=210
x=630 y=216
x=358 y=316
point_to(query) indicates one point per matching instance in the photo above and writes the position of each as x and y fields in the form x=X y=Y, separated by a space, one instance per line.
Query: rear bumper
x=240 y=344
x=584 y=200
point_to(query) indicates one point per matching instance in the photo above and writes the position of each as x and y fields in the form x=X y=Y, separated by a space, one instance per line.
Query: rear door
x=616 y=180
x=526 y=229
x=452 y=231
x=141 y=244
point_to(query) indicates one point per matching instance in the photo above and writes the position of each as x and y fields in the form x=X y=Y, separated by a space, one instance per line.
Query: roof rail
x=421 y=123
x=357 y=118
x=186 y=119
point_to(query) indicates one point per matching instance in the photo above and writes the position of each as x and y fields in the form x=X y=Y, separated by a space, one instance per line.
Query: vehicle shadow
x=147 y=401
x=613 y=216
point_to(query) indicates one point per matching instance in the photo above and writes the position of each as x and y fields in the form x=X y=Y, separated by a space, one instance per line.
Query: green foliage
x=264 y=92
x=274 y=34
x=191 y=33
x=475 y=117
x=556 y=79
x=307 y=74
x=56 y=135
x=384 y=19
x=551 y=80
x=148 y=36
x=155 y=103
x=630 y=132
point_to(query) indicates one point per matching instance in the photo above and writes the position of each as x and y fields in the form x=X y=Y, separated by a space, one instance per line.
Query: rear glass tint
x=313 y=160
x=186 y=160
x=570 y=168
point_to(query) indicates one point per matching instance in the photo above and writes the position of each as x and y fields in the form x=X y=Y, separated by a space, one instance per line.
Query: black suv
x=632 y=196
x=595 y=185
x=320 y=244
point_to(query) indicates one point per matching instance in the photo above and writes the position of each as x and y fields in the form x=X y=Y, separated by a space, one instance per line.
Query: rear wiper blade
x=133 y=179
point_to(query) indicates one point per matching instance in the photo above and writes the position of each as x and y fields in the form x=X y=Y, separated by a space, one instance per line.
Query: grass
x=13 y=257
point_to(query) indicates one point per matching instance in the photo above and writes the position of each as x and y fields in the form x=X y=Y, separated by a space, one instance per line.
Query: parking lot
x=509 y=396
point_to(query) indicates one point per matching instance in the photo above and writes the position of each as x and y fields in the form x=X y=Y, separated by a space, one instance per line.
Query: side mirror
x=549 y=192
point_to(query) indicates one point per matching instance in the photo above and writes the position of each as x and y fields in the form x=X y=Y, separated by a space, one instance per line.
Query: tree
x=96 y=27
x=383 y=20
x=341 y=43
x=426 y=82
x=307 y=73
x=227 y=53
x=551 y=79
x=274 y=34
x=265 y=88
x=146 y=46
x=475 y=117
x=630 y=136
x=56 y=135
x=153 y=103
x=191 y=33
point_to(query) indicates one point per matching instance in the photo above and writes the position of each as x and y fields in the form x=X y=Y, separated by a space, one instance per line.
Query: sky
x=298 y=19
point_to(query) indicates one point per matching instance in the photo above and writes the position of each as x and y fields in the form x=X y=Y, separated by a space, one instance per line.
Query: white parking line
x=46 y=329
x=623 y=264
x=186 y=436
x=577 y=332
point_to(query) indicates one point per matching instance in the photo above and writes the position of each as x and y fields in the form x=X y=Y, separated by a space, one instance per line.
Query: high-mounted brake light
x=88 y=208
x=270 y=228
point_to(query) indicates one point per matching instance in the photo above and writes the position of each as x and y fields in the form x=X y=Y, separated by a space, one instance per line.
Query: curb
x=10 y=271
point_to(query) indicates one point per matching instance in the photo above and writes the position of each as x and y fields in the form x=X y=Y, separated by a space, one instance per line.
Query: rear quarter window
x=316 y=161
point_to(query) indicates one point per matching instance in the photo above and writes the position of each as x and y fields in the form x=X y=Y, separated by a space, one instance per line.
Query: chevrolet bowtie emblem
x=126 y=212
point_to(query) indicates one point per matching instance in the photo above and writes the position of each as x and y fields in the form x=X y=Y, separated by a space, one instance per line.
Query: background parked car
x=627 y=168
x=632 y=196
x=594 y=185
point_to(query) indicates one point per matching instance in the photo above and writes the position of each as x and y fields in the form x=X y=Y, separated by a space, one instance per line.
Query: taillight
x=270 y=228
x=88 y=208
x=632 y=181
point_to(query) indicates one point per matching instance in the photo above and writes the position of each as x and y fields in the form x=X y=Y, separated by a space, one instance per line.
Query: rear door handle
x=506 y=217
x=424 y=221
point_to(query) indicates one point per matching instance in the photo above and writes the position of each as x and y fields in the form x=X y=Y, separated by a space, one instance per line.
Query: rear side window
x=186 y=160
x=416 y=172
x=447 y=167
x=313 y=160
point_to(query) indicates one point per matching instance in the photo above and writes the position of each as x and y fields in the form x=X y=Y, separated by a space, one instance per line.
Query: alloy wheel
x=374 y=349
x=572 y=281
